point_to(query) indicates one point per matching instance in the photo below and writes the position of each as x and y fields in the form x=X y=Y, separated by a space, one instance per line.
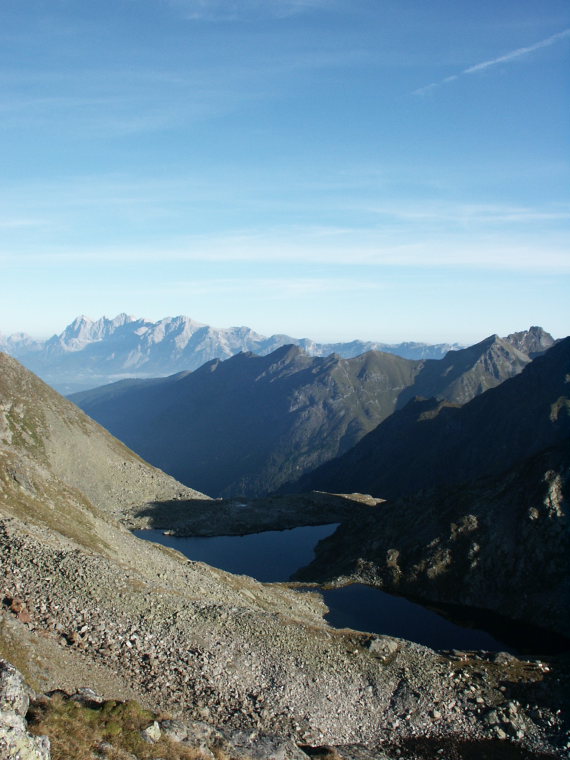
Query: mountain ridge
x=430 y=442
x=90 y=352
x=247 y=425
x=35 y=418
x=242 y=425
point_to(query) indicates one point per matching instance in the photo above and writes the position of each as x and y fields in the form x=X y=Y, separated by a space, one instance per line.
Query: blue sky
x=387 y=170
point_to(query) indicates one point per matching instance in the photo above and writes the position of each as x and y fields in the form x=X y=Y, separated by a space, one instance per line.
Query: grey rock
x=151 y=734
x=14 y=696
x=382 y=646
x=199 y=736
x=176 y=730
x=246 y=746
x=15 y=741
x=492 y=718
x=86 y=696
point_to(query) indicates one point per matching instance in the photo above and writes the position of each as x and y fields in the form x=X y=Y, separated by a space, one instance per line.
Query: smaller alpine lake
x=273 y=556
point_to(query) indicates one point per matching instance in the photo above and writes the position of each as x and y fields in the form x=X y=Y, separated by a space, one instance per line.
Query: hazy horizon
x=307 y=335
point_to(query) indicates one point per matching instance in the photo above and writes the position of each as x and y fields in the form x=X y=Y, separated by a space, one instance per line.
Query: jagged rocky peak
x=84 y=330
x=89 y=353
x=501 y=358
x=533 y=342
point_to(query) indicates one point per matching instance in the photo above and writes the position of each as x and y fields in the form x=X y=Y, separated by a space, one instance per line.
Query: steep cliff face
x=500 y=544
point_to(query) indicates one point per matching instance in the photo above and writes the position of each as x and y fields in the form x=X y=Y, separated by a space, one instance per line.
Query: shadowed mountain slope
x=250 y=424
x=429 y=442
x=500 y=544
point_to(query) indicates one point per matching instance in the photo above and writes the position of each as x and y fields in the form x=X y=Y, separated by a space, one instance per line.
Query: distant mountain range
x=89 y=353
x=250 y=424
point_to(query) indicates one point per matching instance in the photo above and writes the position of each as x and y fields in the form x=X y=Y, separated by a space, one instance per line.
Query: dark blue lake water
x=274 y=556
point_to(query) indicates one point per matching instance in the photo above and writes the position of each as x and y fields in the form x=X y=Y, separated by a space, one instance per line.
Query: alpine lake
x=273 y=557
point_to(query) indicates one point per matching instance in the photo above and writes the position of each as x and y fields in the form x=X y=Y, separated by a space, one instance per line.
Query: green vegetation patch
x=113 y=729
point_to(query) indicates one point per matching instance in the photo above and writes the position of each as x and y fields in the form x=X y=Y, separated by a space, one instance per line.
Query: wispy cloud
x=361 y=248
x=480 y=214
x=227 y=10
x=116 y=102
x=274 y=288
x=20 y=223
x=511 y=56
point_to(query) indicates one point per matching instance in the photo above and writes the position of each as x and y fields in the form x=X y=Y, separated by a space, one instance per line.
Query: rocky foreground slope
x=84 y=603
x=49 y=446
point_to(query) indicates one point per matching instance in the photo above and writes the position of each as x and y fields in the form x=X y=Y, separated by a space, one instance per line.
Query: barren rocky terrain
x=86 y=604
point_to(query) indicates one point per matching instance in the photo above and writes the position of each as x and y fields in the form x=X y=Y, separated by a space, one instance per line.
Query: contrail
x=494 y=61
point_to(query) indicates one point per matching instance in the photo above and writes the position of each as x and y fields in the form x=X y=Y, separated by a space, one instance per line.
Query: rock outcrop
x=498 y=544
x=15 y=740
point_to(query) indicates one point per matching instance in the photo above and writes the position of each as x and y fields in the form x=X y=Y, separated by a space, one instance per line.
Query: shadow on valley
x=173 y=512
x=458 y=749
x=520 y=637
x=242 y=515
